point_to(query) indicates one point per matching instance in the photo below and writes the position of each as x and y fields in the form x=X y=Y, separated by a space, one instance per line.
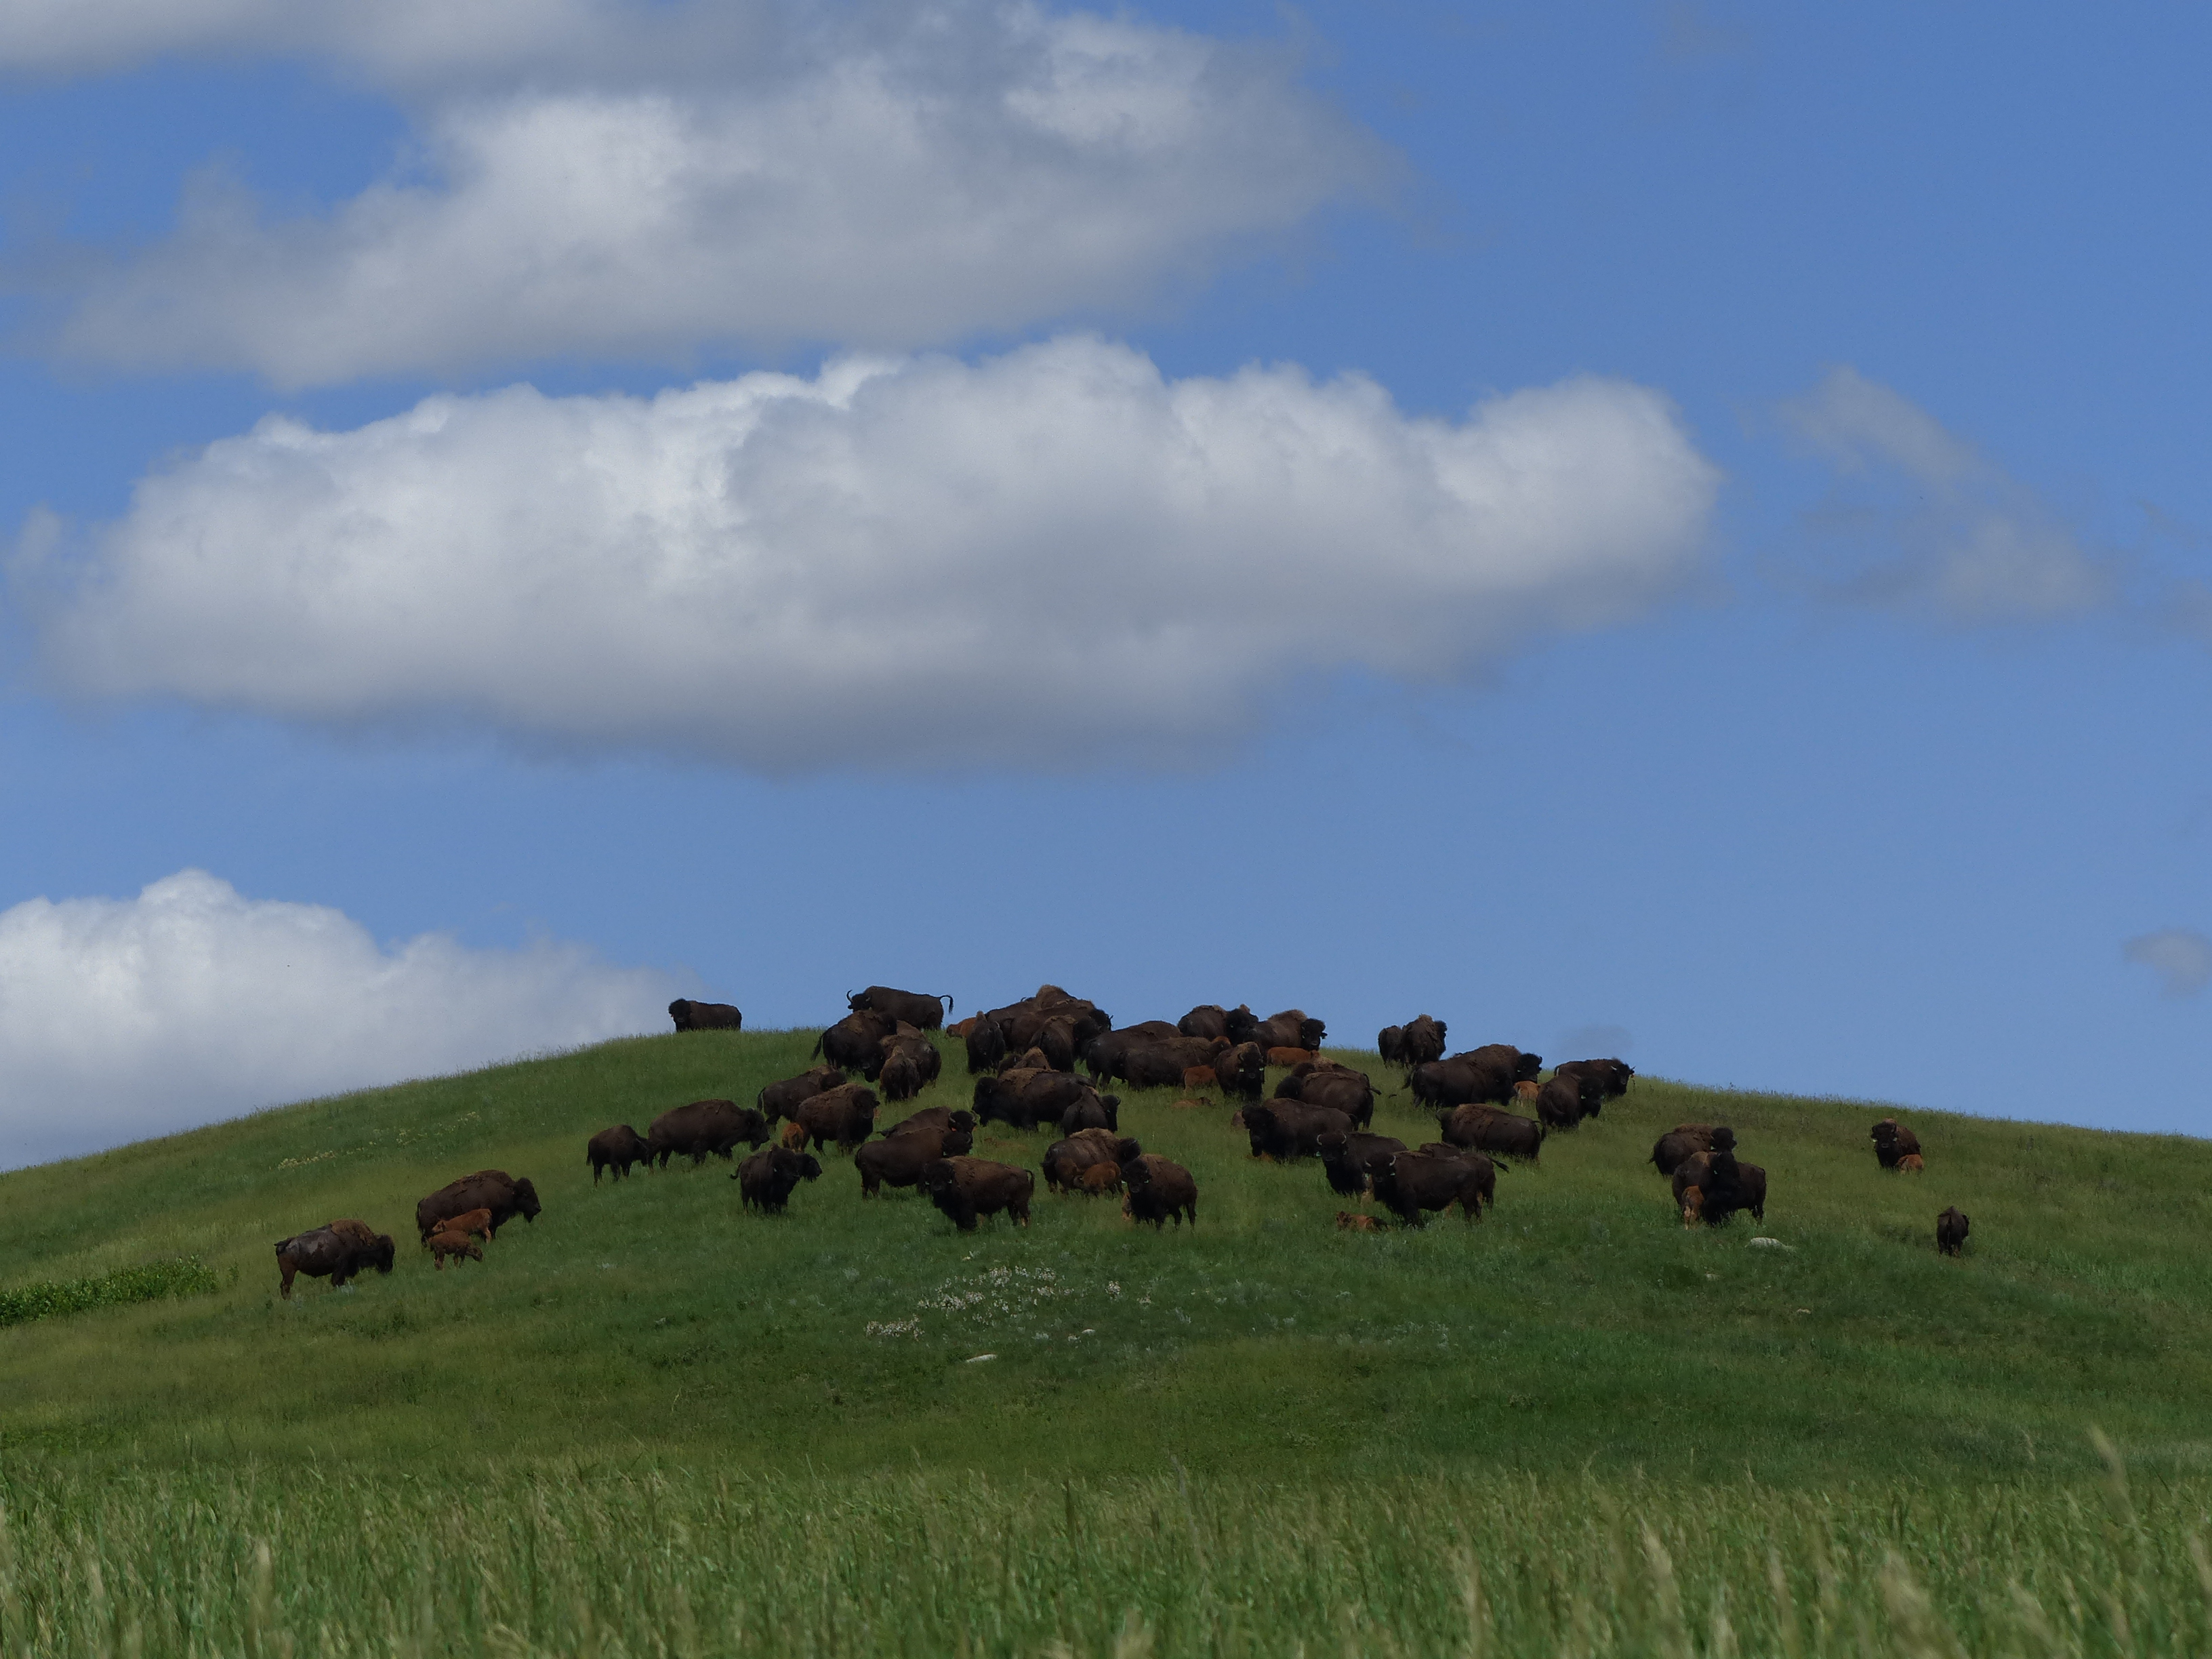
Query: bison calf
x=456 y=1244
x=1912 y=1164
x=477 y=1221
x=1950 y=1231
x=1348 y=1223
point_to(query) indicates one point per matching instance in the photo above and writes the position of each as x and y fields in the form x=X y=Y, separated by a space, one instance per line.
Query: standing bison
x=1894 y=1142
x=1950 y=1231
x=487 y=1189
x=1486 y=1129
x=1157 y=1189
x=779 y=1099
x=335 y=1252
x=766 y=1179
x=1421 y=1041
x=1290 y=1029
x=691 y=1016
x=900 y=1157
x=616 y=1149
x=917 y=1008
x=1678 y=1144
x=1418 y=1181
x=703 y=1127
x=855 y=1044
x=1601 y=1080
x=968 y=1188
x=846 y=1114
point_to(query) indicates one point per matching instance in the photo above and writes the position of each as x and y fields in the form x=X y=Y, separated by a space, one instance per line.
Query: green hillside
x=1579 y=1327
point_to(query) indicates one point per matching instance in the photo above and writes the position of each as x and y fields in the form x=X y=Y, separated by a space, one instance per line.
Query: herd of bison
x=1043 y=1060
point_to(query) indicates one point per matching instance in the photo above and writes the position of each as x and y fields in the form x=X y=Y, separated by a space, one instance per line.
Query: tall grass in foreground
x=150 y=1282
x=574 y=1562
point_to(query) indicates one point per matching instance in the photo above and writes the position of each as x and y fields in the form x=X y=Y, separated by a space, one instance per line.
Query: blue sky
x=1744 y=609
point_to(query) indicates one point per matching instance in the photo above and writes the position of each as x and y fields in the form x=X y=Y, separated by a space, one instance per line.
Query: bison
x=1442 y=1085
x=1348 y=1223
x=616 y=1149
x=1950 y=1231
x=495 y=1190
x=477 y=1221
x=1422 y=1041
x=1208 y=1020
x=1349 y=1091
x=703 y=1127
x=1602 y=1079
x=1290 y=1029
x=1351 y=1160
x=966 y=1190
x=940 y=1119
x=1100 y=1179
x=453 y=1243
x=1288 y=1130
x=1147 y=1061
x=691 y=1016
x=1241 y=1070
x=1892 y=1141
x=766 y=1178
x=900 y=1077
x=917 y=1008
x=1029 y=1096
x=1390 y=1046
x=1486 y=1129
x=1416 y=1181
x=898 y=1160
x=1066 y=1161
x=855 y=1044
x=1679 y=1143
x=1912 y=1164
x=1725 y=1185
x=782 y=1098
x=987 y=1047
x=1092 y=1110
x=1158 y=1189
x=846 y=1114
x=1559 y=1103
x=335 y=1252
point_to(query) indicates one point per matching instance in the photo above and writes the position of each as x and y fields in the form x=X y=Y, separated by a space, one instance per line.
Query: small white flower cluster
x=895 y=1328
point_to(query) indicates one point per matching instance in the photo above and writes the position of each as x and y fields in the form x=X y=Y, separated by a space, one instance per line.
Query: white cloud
x=1045 y=558
x=1928 y=525
x=2181 y=957
x=945 y=171
x=127 y=1017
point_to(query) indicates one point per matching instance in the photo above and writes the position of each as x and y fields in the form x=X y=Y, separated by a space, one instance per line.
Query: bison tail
x=946 y=1000
x=817 y=1052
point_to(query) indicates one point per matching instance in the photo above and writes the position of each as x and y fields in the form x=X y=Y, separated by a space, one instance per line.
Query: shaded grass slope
x=1579 y=1328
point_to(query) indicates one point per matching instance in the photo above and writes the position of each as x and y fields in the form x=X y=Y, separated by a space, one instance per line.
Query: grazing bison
x=1147 y=1060
x=616 y=1149
x=1559 y=1103
x=1288 y=1130
x=1348 y=1223
x=917 y=1008
x=1351 y=1092
x=781 y=1099
x=846 y=1114
x=691 y=1016
x=1486 y=1129
x=855 y=1044
x=704 y=1126
x=335 y=1252
x=1208 y=1020
x=967 y=1189
x=1029 y=1096
x=452 y=1243
x=1602 y=1080
x=766 y=1180
x=1065 y=1160
x=1416 y=1181
x=1950 y=1231
x=898 y=1160
x=1422 y=1041
x=1390 y=1047
x=1893 y=1141
x=1351 y=1160
x=492 y=1190
x=1679 y=1143
x=1157 y=1189
x=986 y=1046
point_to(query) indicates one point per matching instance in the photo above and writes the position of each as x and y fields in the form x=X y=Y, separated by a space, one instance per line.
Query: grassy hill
x=1577 y=1355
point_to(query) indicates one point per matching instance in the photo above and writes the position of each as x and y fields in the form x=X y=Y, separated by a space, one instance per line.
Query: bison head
x=526 y=1199
x=1127 y=1150
x=379 y=1254
x=805 y=1166
x=1136 y=1173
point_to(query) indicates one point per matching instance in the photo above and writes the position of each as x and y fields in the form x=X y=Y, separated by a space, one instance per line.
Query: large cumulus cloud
x=127 y=1017
x=875 y=176
x=1049 y=558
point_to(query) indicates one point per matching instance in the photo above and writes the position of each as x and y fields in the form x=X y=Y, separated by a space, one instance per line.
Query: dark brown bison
x=1422 y=1041
x=1351 y=1160
x=845 y=1115
x=1416 y=1181
x=766 y=1178
x=1087 y=1021
x=616 y=1149
x=335 y=1252
x=1892 y=1141
x=691 y=1016
x=1157 y=1189
x=1351 y=1092
x=900 y=1076
x=1160 y=1064
x=1065 y=1160
x=1726 y=1183
x=917 y=1008
x=1208 y=1020
x=855 y=1044
x=1390 y=1045
x=1107 y=1056
x=1559 y=1103
x=1950 y=1231
x=899 y=1159
x=1092 y=1110
x=1601 y=1080
x=1442 y=1085
x=491 y=1189
x=1028 y=1096
x=986 y=1046
x=967 y=1189
x=1055 y=1040
x=1288 y=1130
x=1290 y=1029
x=1241 y=1071
x=782 y=1098
x=1486 y=1129
x=703 y=1127
x=942 y=1120
x=1678 y=1143
x=1523 y=1064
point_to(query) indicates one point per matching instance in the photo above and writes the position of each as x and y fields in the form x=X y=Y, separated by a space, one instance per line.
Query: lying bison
x=940 y=1120
x=616 y=1149
x=765 y=1180
x=702 y=1128
x=845 y=1115
x=1950 y=1231
x=1157 y=1189
x=1893 y=1141
x=335 y=1252
x=781 y=1099
x=1418 y=1181
x=968 y=1188
x=691 y=1016
x=917 y=1008
x=491 y=1189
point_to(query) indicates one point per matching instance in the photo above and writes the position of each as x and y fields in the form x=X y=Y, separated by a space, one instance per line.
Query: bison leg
x=285 y=1289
